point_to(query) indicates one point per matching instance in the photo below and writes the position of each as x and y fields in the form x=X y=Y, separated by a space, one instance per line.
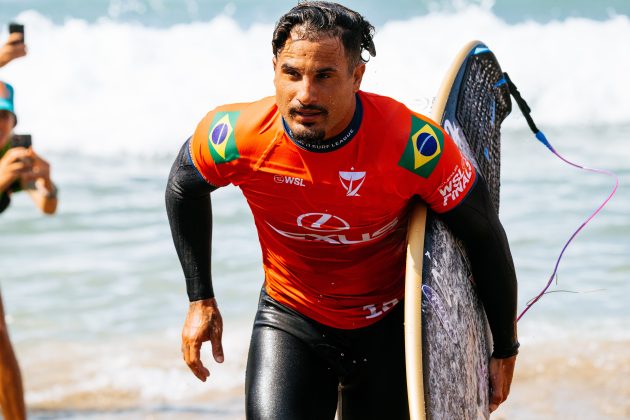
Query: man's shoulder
x=377 y=100
x=254 y=112
x=236 y=132
x=241 y=119
x=261 y=105
x=387 y=103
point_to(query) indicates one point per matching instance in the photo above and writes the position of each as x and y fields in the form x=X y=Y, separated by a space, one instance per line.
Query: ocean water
x=95 y=297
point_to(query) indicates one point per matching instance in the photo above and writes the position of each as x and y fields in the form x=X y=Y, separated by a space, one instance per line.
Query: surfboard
x=447 y=338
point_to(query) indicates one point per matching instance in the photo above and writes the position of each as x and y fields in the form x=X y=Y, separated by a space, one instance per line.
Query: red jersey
x=332 y=223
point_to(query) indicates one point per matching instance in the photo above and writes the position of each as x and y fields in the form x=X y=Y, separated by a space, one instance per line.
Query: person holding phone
x=14 y=47
x=21 y=169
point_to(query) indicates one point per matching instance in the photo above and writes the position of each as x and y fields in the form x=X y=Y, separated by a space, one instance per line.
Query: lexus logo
x=322 y=222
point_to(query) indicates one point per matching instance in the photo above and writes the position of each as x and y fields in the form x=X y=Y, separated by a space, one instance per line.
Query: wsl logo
x=221 y=140
x=352 y=181
x=424 y=148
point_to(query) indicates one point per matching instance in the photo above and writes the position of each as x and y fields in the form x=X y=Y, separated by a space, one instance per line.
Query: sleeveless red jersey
x=332 y=224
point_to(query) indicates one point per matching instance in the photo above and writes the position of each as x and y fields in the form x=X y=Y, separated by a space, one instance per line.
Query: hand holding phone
x=19 y=29
x=14 y=46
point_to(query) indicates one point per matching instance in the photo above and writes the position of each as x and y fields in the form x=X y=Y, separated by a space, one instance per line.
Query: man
x=21 y=169
x=320 y=165
x=11 y=393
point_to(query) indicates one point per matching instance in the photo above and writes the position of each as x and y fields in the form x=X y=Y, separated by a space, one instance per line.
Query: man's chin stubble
x=310 y=136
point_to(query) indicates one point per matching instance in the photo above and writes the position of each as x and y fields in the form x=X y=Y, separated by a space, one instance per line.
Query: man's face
x=315 y=87
x=6 y=126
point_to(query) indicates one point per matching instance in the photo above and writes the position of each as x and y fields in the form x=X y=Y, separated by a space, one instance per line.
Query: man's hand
x=12 y=49
x=39 y=171
x=13 y=164
x=203 y=323
x=501 y=372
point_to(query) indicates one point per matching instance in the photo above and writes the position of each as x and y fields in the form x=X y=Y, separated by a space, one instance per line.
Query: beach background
x=94 y=296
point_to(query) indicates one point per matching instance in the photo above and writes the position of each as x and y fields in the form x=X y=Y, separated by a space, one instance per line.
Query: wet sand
x=586 y=380
x=553 y=380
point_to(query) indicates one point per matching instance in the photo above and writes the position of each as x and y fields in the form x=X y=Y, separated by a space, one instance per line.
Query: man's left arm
x=476 y=223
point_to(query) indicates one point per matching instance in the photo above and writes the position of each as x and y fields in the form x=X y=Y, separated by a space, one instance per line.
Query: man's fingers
x=501 y=373
x=217 y=351
x=16 y=153
x=496 y=398
x=203 y=323
x=192 y=356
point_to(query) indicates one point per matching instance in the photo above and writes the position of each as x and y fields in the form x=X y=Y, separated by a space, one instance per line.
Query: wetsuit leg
x=286 y=380
x=378 y=389
x=298 y=369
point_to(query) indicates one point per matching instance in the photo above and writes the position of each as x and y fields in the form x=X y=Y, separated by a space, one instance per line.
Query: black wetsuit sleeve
x=476 y=223
x=189 y=212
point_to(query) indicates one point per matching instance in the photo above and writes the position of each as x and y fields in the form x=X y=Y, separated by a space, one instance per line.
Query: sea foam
x=111 y=88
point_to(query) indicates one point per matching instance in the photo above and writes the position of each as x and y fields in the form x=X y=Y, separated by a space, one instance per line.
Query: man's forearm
x=477 y=224
x=189 y=211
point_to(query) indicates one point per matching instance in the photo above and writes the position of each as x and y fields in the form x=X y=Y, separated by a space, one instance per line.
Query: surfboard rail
x=413 y=313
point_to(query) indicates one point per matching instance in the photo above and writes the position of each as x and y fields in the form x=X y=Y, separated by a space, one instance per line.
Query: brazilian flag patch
x=221 y=140
x=423 y=149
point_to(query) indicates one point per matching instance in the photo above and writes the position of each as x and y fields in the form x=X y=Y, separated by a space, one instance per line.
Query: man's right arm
x=189 y=212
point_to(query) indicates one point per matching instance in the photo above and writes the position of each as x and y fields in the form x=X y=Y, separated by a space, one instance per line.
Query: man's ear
x=359 y=71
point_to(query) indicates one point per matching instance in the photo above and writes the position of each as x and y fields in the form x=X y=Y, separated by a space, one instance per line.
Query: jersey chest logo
x=352 y=181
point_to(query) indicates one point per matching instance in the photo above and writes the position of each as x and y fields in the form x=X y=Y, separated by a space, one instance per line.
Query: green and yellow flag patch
x=423 y=149
x=221 y=140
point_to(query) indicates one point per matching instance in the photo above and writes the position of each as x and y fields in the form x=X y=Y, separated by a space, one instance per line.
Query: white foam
x=132 y=371
x=112 y=88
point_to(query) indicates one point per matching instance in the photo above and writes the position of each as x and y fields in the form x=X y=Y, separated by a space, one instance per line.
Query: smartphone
x=16 y=27
x=21 y=140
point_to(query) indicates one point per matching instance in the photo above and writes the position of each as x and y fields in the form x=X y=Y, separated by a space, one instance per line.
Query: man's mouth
x=308 y=114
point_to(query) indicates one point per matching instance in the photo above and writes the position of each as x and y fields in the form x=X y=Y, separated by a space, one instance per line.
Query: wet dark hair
x=316 y=19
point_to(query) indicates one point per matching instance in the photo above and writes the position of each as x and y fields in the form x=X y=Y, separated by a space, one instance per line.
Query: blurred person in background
x=21 y=169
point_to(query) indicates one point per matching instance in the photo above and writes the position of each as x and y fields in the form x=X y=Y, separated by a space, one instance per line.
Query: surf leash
x=541 y=137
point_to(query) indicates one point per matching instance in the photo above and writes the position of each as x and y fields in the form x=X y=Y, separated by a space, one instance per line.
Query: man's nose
x=307 y=91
